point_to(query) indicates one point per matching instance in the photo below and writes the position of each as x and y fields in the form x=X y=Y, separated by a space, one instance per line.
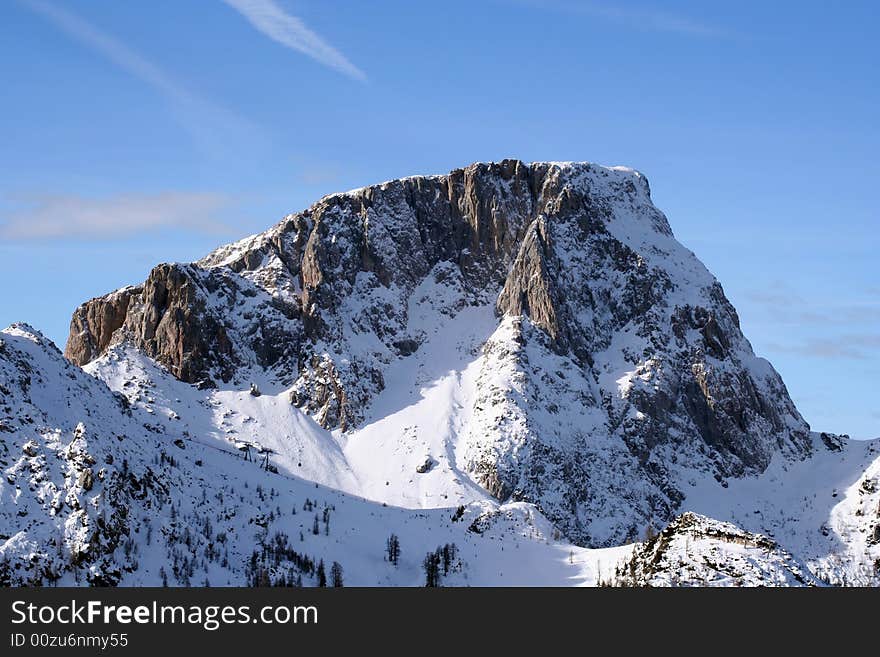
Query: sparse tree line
x=191 y=544
x=276 y=563
x=436 y=564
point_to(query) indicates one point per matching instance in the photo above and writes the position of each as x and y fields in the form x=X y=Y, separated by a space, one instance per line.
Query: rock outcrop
x=697 y=551
x=94 y=323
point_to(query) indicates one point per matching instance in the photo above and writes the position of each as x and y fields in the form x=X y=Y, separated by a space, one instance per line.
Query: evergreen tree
x=6 y=572
x=392 y=549
x=431 y=565
x=446 y=555
x=322 y=576
x=336 y=575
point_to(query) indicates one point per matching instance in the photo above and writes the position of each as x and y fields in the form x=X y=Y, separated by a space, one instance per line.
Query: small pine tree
x=431 y=565
x=392 y=549
x=322 y=576
x=315 y=529
x=6 y=571
x=336 y=575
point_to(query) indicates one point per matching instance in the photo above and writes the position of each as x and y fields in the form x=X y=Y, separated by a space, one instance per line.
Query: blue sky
x=133 y=133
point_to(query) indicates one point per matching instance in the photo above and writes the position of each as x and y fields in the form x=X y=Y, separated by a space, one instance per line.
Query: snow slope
x=160 y=501
x=825 y=509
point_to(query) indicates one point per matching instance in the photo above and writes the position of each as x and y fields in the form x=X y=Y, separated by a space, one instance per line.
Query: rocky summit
x=522 y=346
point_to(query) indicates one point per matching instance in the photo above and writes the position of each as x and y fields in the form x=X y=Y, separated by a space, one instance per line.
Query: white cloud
x=270 y=19
x=120 y=54
x=643 y=19
x=318 y=175
x=782 y=303
x=856 y=347
x=72 y=216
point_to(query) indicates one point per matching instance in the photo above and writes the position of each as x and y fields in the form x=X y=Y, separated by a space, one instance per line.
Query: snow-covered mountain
x=514 y=358
x=98 y=490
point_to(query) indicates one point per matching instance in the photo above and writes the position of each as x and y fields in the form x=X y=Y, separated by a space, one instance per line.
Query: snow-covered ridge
x=568 y=166
x=99 y=491
x=578 y=172
x=695 y=550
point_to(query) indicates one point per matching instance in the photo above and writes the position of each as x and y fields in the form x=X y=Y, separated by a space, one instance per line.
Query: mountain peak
x=23 y=329
x=579 y=273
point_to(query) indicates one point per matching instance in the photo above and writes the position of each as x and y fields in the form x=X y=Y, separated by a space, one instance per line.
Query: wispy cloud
x=635 y=17
x=786 y=305
x=840 y=328
x=72 y=216
x=855 y=347
x=270 y=19
x=318 y=175
x=776 y=297
x=206 y=120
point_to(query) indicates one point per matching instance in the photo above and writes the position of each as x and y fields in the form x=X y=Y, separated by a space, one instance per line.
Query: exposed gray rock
x=427 y=466
x=94 y=323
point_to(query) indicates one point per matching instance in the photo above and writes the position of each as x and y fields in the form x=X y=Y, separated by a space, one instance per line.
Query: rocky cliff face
x=617 y=366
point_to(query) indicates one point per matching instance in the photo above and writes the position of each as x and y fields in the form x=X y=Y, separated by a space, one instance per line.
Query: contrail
x=206 y=120
x=270 y=19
